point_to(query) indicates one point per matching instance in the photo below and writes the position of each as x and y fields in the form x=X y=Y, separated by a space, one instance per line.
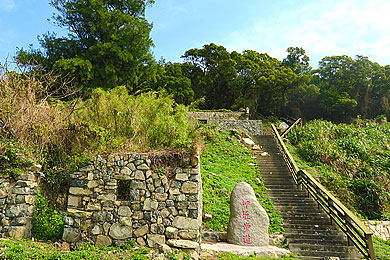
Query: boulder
x=249 y=222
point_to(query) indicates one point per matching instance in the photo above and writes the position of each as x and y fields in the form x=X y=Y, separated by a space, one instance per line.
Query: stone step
x=321 y=247
x=342 y=252
x=307 y=236
x=320 y=240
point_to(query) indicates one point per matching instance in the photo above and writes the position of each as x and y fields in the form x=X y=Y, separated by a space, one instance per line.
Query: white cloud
x=7 y=5
x=351 y=27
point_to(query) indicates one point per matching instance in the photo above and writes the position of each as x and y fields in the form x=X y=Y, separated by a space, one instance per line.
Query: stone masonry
x=380 y=229
x=17 y=200
x=125 y=197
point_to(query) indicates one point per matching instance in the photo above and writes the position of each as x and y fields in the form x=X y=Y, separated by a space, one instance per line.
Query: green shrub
x=351 y=160
x=148 y=121
x=47 y=223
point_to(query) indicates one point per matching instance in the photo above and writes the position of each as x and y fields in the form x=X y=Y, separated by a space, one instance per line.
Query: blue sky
x=322 y=28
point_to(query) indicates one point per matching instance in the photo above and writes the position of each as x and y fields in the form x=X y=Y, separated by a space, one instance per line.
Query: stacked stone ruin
x=126 y=198
x=17 y=200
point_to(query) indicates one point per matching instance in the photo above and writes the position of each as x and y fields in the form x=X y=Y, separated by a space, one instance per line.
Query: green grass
x=352 y=161
x=229 y=256
x=382 y=249
x=226 y=162
x=16 y=249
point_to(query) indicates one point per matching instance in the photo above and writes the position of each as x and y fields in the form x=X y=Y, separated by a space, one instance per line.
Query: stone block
x=143 y=230
x=185 y=223
x=155 y=241
x=80 y=191
x=149 y=204
x=92 y=184
x=71 y=235
x=187 y=244
x=107 y=197
x=118 y=231
x=19 y=232
x=102 y=240
x=189 y=234
x=74 y=201
x=124 y=211
x=79 y=213
x=190 y=187
x=13 y=211
x=171 y=232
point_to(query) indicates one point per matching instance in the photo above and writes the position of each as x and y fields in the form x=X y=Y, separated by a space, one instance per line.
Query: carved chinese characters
x=248 y=223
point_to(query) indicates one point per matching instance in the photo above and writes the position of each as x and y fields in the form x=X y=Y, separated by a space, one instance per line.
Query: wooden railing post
x=370 y=244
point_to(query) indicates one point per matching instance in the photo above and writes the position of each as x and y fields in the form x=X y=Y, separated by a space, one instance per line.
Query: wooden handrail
x=299 y=120
x=353 y=227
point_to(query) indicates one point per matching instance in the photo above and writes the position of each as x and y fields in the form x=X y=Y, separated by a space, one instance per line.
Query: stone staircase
x=308 y=230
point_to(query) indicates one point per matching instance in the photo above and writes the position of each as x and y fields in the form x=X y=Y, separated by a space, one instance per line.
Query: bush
x=47 y=223
x=357 y=158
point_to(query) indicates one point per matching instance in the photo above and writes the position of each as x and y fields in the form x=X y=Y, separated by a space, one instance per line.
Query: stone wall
x=213 y=115
x=251 y=127
x=17 y=200
x=145 y=198
x=380 y=228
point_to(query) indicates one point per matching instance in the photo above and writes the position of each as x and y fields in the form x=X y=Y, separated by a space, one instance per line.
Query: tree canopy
x=108 y=43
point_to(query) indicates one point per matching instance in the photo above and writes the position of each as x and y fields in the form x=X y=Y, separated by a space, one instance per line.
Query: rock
x=249 y=222
x=248 y=141
x=256 y=147
x=207 y=217
x=87 y=168
x=149 y=204
x=264 y=154
x=102 y=240
x=189 y=234
x=107 y=197
x=188 y=244
x=74 y=201
x=71 y=235
x=139 y=232
x=166 y=249
x=19 y=232
x=80 y=191
x=139 y=175
x=283 y=126
x=124 y=211
x=118 y=231
x=35 y=168
x=141 y=242
x=189 y=187
x=171 y=232
x=15 y=210
x=155 y=241
x=185 y=223
x=96 y=230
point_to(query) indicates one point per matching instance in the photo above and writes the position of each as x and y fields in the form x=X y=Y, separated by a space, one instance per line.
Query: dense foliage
x=108 y=44
x=352 y=161
x=226 y=162
x=61 y=136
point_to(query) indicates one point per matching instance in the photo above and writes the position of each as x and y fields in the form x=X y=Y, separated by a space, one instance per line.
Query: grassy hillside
x=351 y=160
x=226 y=162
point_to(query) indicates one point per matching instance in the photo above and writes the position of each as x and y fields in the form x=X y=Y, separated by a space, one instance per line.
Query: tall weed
x=358 y=153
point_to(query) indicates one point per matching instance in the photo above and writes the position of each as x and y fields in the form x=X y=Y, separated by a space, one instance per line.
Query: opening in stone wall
x=125 y=192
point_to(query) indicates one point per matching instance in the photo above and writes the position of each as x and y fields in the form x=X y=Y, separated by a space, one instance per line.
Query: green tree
x=218 y=69
x=108 y=43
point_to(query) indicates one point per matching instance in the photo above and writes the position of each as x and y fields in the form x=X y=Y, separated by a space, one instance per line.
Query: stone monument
x=249 y=222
